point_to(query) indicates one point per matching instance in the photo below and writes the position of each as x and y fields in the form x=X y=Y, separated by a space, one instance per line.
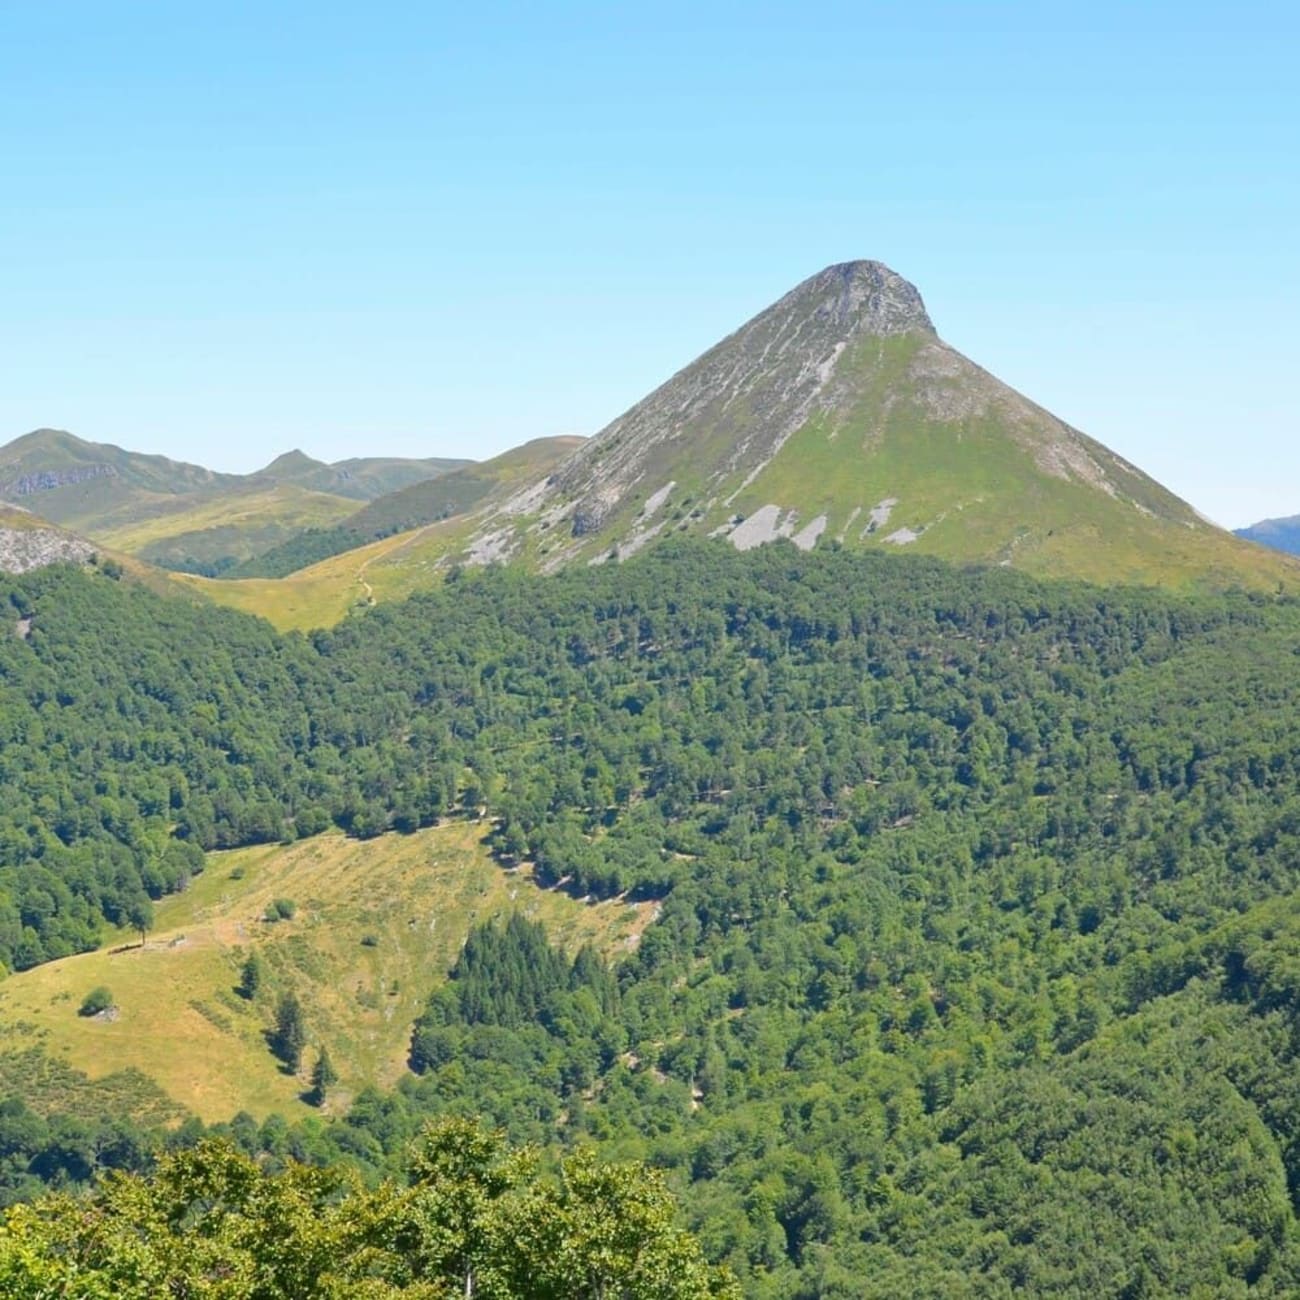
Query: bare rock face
x=24 y=549
x=47 y=479
x=588 y=517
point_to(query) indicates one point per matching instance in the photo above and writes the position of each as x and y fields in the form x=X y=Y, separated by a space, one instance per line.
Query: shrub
x=280 y=910
x=97 y=1000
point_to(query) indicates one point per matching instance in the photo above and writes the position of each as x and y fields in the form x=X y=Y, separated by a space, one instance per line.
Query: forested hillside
x=976 y=961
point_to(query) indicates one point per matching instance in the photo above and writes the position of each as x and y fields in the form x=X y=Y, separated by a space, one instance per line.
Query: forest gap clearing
x=180 y=1021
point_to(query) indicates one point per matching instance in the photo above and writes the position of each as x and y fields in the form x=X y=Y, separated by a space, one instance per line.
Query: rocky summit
x=751 y=392
x=839 y=415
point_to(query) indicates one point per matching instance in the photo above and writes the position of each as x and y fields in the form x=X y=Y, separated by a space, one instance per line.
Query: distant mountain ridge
x=47 y=460
x=364 y=478
x=1281 y=534
x=184 y=516
x=50 y=461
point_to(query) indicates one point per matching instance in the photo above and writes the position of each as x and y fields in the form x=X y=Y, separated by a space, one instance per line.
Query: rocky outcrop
x=47 y=479
x=24 y=549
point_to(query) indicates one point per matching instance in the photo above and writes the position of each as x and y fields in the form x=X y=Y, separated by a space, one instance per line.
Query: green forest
x=471 y=1217
x=976 y=964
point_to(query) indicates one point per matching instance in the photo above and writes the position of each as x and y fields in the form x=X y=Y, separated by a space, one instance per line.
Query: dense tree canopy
x=474 y=1219
x=974 y=965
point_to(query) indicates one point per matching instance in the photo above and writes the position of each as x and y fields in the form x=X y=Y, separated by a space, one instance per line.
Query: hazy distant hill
x=85 y=484
x=1280 y=534
x=361 y=478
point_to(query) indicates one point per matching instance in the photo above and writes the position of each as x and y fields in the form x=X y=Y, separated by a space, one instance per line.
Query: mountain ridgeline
x=71 y=481
x=1280 y=534
x=837 y=416
x=359 y=478
x=184 y=517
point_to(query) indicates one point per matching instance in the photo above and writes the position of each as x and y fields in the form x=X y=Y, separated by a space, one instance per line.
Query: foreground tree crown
x=476 y=1218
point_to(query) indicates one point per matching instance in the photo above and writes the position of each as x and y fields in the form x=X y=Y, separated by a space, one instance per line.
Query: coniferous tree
x=289 y=1036
x=323 y=1077
x=250 y=977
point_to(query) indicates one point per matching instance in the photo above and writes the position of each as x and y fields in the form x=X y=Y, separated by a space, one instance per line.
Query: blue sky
x=428 y=229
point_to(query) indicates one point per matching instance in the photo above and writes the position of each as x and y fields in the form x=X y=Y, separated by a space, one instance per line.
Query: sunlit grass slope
x=376 y=926
x=234 y=524
x=980 y=500
x=970 y=492
x=319 y=596
x=403 y=562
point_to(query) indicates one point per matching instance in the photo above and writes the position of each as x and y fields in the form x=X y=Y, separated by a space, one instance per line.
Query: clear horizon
x=415 y=233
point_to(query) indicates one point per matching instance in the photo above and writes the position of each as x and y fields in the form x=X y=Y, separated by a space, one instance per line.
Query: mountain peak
x=752 y=391
x=857 y=298
x=292 y=462
x=839 y=413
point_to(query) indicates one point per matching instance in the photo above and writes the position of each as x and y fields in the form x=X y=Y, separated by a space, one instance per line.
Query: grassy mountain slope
x=839 y=414
x=455 y=493
x=209 y=532
x=323 y=593
x=182 y=1027
x=886 y=471
x=424 y=503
